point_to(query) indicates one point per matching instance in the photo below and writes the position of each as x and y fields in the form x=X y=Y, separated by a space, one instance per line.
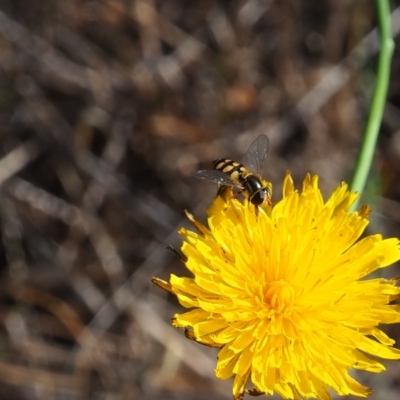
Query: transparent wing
x=212 y=175
x=257 y=154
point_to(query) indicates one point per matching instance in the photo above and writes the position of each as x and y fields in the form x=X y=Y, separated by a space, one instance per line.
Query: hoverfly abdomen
x=232 y=168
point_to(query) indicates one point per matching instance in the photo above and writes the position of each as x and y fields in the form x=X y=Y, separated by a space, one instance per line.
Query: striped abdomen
x=236 y=171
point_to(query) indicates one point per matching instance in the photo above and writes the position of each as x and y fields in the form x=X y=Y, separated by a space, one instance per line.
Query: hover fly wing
x=212 y=175
x=257 y=154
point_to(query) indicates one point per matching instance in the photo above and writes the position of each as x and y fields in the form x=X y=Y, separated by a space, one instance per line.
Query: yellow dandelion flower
x=282 y=293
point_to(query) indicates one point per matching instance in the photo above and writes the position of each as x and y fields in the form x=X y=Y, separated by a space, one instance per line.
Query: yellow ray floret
x=282 y=292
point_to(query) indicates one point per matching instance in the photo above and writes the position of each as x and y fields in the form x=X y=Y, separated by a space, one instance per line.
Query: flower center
x=280 y=297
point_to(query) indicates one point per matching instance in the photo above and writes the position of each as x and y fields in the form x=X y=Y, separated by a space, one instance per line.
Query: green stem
x=374 y=119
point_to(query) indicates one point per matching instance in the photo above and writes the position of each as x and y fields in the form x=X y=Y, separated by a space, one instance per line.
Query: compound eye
x=258 y=198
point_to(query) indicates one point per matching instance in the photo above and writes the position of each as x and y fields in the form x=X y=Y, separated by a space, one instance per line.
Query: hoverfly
x=228 y=173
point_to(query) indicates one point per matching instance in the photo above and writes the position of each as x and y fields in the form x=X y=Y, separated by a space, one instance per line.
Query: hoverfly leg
x=226 y=193
x=250 y=204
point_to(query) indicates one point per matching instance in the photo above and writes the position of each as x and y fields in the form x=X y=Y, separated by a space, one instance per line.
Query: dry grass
x=106 y=107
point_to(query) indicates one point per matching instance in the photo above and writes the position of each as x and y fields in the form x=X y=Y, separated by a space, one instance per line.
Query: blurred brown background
x=106 y=108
